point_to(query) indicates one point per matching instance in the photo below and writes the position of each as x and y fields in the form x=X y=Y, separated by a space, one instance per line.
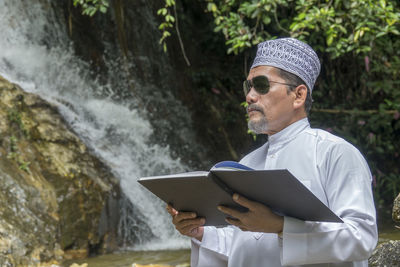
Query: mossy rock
x=54 y=190
x=396 y=209
x=386 y=254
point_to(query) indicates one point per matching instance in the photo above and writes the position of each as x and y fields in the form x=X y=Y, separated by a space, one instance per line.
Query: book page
x=184 y=174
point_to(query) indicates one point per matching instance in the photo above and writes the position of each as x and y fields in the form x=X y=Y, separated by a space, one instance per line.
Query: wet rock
x=396 y=209
x=53 y=189
x=386 y=255
x=79 y=265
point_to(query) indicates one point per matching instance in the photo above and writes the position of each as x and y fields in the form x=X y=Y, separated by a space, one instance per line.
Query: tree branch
x=179 y=37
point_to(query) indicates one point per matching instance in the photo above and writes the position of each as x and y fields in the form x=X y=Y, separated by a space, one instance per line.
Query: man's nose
x=252 y=96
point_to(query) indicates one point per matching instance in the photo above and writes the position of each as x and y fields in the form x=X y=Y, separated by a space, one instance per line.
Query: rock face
x=396 y=209
x=386 y=255
x=55 y=196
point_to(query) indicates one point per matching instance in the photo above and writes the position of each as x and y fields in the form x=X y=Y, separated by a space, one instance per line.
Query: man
x=278 y=92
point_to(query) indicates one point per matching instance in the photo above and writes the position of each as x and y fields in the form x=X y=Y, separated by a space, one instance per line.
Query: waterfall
x=36 y=53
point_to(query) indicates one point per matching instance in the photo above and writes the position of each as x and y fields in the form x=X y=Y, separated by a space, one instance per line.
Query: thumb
x=171 y=210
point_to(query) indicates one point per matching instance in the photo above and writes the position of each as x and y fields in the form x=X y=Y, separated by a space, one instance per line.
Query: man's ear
x=300 y=96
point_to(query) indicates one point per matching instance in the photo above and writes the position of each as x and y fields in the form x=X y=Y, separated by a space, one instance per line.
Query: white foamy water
x=35 y=52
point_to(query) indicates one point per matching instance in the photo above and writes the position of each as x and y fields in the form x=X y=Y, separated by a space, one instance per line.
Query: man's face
x=273 y=111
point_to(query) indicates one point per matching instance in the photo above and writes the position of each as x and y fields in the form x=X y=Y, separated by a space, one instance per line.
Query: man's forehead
x=263 y=70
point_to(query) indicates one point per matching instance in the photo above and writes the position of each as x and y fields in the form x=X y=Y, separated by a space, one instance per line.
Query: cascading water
x=35 y=52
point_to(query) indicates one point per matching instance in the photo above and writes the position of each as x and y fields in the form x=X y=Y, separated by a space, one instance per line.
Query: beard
x=259 y=126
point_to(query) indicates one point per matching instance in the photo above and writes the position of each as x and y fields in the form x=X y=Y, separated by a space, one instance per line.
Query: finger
x=171 y=210
x=231 y=212
x=185 y=225
x=181 y=216
x=189 y=228
x=235 y=222
x=242 y=201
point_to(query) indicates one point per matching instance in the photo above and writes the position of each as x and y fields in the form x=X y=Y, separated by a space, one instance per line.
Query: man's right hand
x=187 y=223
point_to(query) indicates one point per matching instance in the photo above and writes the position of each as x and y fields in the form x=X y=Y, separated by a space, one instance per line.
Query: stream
x=181 y=258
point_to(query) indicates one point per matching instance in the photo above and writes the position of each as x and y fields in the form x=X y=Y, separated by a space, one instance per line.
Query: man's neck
x=293 y=120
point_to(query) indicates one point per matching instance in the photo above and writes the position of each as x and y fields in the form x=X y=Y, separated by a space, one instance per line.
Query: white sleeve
x=349 y=194
x=214 y=248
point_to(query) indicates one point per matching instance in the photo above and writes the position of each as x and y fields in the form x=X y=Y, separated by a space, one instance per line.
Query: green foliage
x=344 y=26
x=15 y=155
x=24 y=165
x=13 y=144
x=168 y=22
x=244 y=23
x=90 y=7
x=14 y=116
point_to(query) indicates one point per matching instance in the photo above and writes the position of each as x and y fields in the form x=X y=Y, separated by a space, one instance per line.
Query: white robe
x=337 y=174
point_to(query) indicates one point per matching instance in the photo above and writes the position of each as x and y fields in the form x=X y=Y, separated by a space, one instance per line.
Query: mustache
x=254 y=107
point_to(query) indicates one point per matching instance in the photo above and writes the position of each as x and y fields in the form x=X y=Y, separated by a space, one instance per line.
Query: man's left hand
x=258 y=218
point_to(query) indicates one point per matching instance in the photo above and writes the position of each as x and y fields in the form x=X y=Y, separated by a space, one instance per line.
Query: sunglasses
x=261 y=84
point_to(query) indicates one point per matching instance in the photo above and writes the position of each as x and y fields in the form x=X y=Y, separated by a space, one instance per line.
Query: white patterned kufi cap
x=291 y=55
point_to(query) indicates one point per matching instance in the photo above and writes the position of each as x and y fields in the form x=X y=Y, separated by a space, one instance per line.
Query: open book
x=203 y=191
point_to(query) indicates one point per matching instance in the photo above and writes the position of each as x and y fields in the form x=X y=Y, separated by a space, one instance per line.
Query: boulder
x=55 y=193
x=396 y=209
x=386 y=255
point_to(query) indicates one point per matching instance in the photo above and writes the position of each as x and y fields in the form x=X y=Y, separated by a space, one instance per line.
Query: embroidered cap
x=291 y=55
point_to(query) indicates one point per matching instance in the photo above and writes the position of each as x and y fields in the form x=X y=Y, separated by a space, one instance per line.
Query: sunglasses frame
x=248 y=84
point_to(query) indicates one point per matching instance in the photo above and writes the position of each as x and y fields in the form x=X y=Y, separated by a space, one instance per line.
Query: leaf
x=266 y=20
x=380 y=34
x=329 y=40
x=294 y=26
x=394 y=31
x=212 y=7
x=92 y=12
x=301 y=16
x=103 y=9
x=169 y=18
x=356 y=35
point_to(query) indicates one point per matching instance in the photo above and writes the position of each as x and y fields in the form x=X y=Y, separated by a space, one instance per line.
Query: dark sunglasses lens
x=261 y=84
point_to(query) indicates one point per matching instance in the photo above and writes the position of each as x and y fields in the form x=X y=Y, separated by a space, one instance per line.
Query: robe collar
x=280 y=139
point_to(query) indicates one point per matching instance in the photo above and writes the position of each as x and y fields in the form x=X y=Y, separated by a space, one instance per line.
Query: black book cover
x=202 y=192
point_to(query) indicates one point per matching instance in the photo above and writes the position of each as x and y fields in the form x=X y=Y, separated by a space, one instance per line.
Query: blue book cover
x=231 y=165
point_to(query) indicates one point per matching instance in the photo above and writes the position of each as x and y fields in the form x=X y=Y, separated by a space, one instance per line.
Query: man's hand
x=187 y=223
x=259 y=218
